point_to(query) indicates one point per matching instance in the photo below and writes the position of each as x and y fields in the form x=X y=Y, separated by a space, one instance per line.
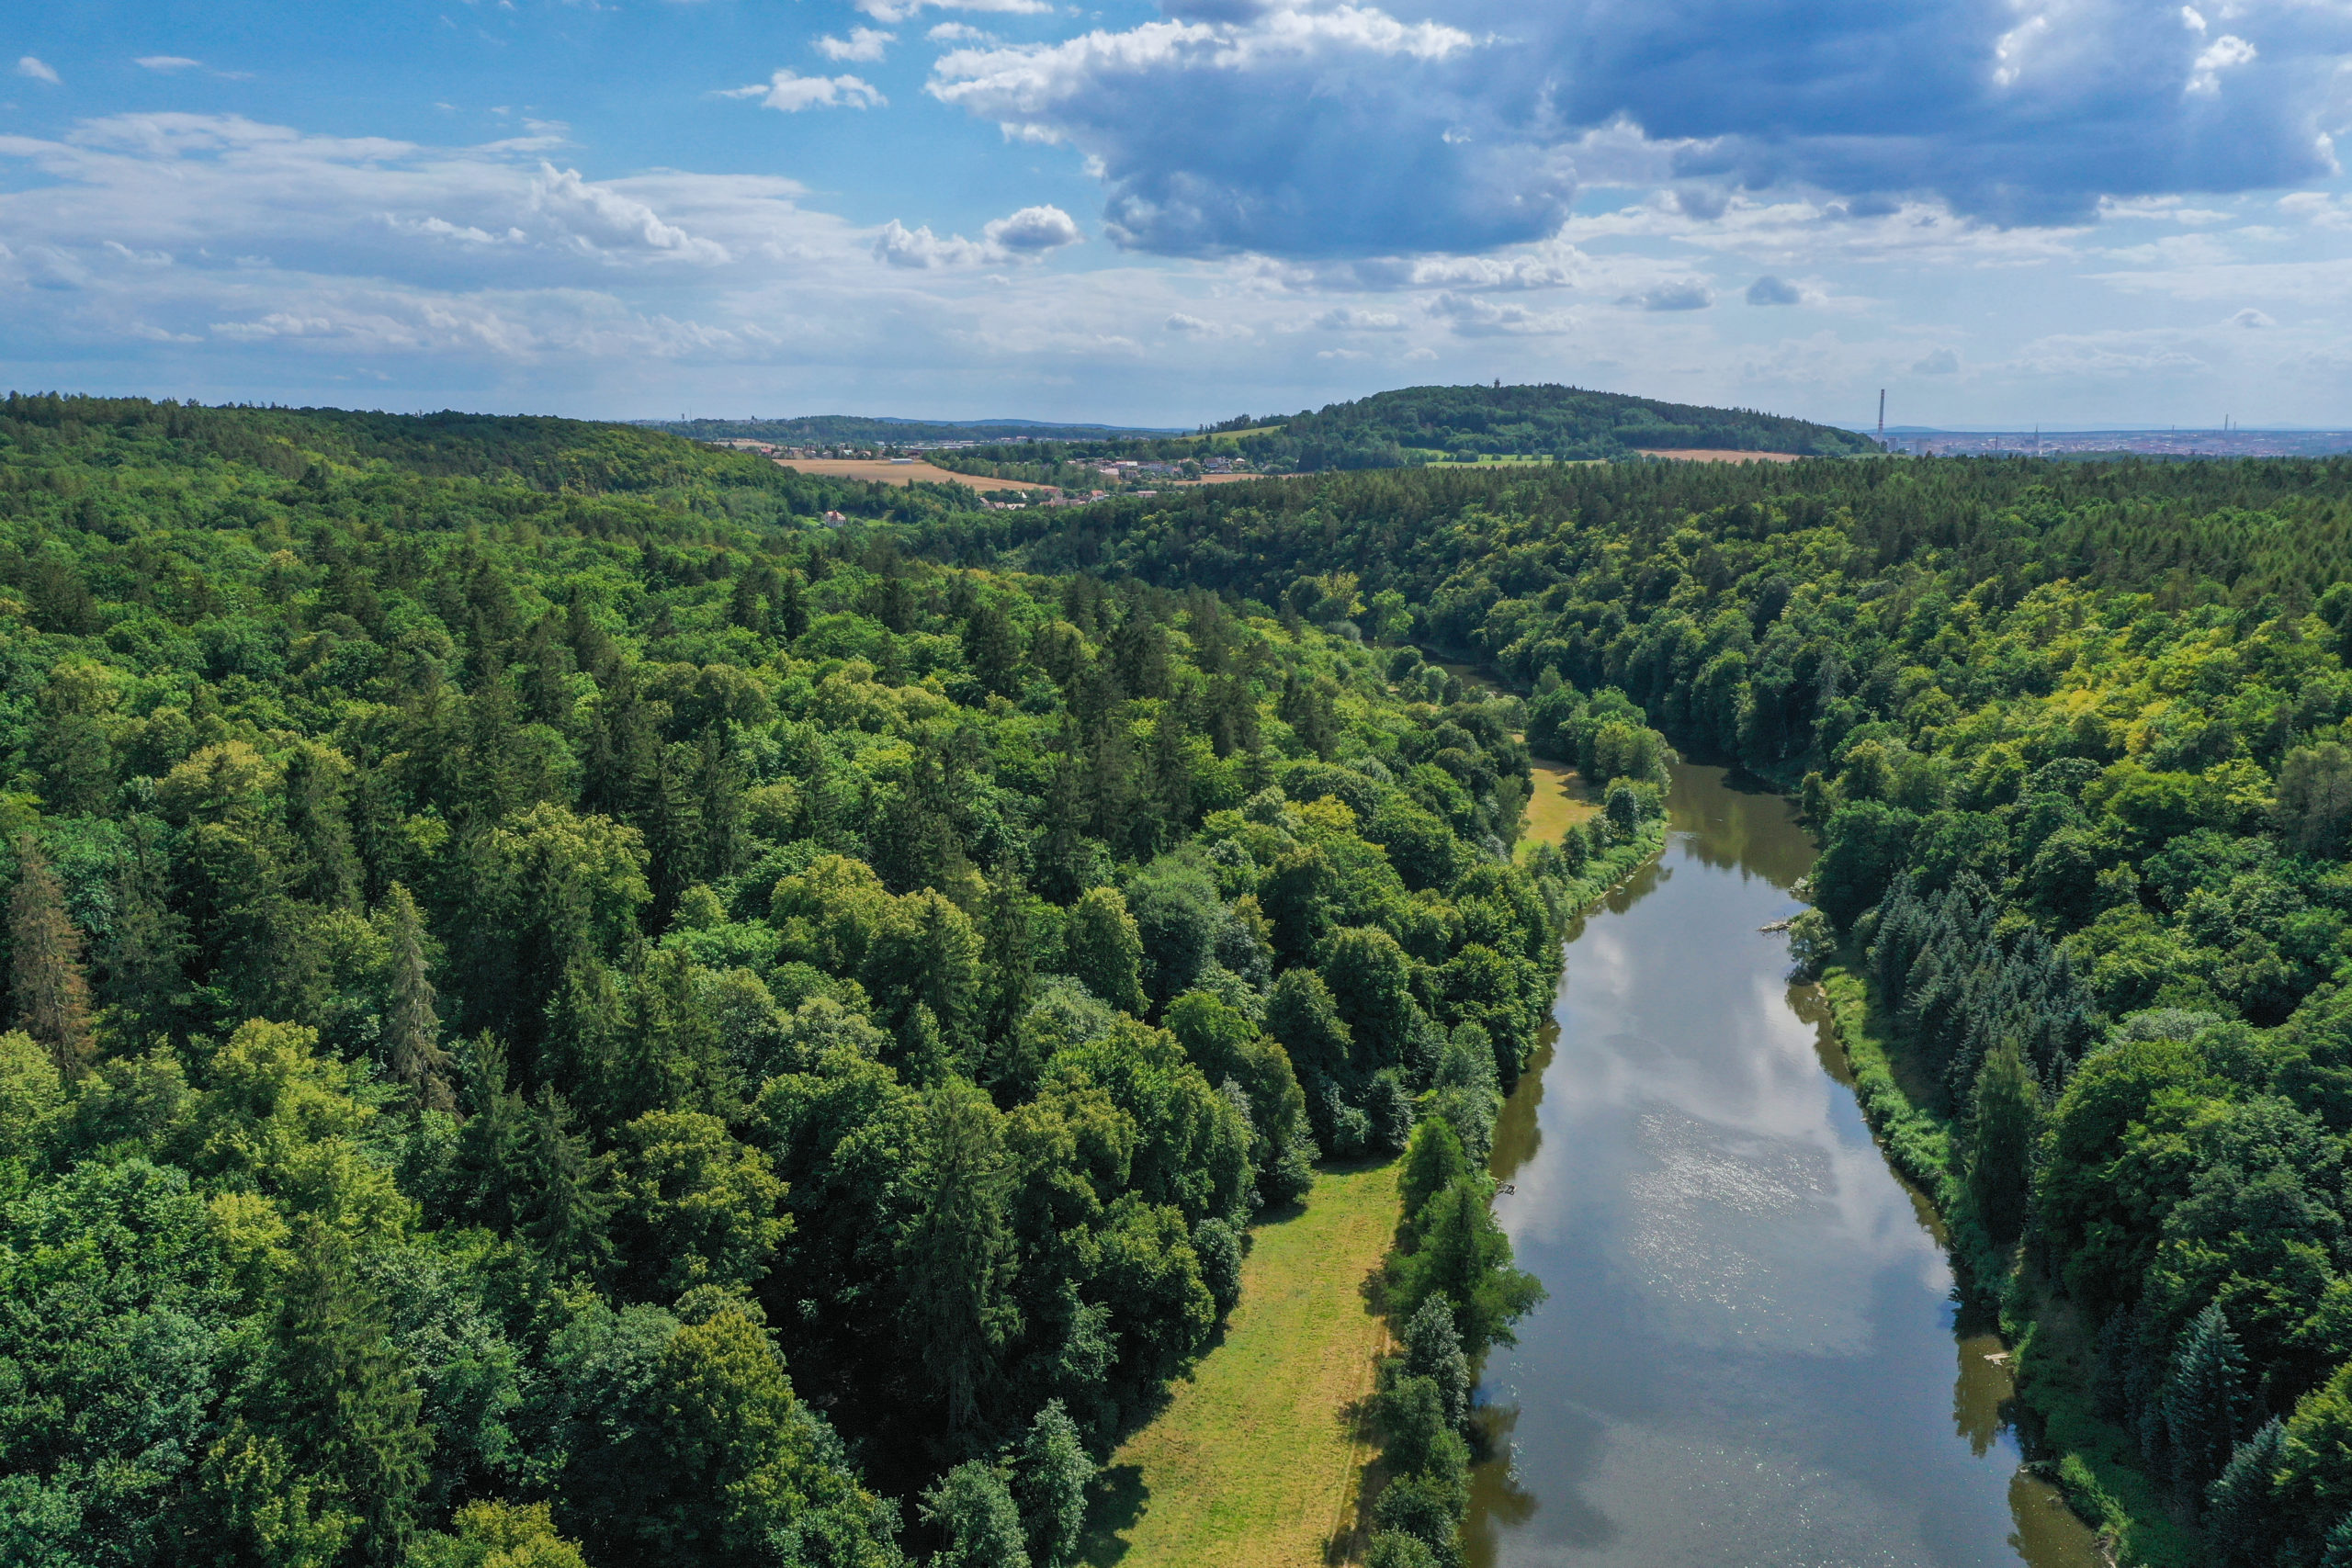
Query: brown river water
x=1751 y=1355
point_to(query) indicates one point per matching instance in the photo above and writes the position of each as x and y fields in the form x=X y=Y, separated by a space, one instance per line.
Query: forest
x=2074 y=739
x=562 y=1012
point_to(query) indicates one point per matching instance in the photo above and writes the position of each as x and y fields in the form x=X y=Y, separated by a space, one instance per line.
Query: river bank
x=1751 y=1352
x=1262 y=1458
x=2091 y=1458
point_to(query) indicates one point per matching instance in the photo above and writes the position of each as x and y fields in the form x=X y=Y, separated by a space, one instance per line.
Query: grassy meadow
x=1258 y=1460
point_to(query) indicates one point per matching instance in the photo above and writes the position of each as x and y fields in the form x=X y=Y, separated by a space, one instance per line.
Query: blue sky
x=2075 y=212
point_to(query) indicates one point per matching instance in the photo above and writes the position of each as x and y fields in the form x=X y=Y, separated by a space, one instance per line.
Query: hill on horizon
x=1419 y=425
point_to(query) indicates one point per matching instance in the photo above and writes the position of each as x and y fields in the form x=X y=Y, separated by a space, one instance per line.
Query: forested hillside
x=559 y=1015
x=2074 y=739
x=1415 y=423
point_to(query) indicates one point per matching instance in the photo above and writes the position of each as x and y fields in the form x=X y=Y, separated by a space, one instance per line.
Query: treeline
x=830 y=429
x=567 y=1024
x=2074 y=739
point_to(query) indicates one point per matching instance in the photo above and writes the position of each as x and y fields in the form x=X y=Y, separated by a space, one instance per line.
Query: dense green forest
x=2073 y=736
x=561 y=1015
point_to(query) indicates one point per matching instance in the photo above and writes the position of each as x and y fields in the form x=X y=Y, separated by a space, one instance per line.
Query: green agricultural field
x=1259 y=1459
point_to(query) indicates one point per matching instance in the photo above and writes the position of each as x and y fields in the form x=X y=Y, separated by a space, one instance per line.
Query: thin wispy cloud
x=39 y=71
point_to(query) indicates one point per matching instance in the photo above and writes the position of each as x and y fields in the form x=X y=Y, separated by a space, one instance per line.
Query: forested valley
x=564 y=1012
x=2074 y=739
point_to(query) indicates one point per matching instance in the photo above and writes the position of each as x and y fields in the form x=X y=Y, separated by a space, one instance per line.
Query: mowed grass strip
x=1258 y=1460
x=1560 y=802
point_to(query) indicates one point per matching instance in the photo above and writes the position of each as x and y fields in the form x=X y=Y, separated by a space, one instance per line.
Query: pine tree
x=344 y=1393
x=2239 y=1508
x=1007 y=953
x=570 y=1200
x=791 y=610
x=2338 y=1551
x=2205 y=1399
x=2008 y=1104
x=50 y=997
x=327 y=871
x=1051 y=1476
x=412 y=1039
x=145 y=989
x=955 y=1257
x=1434 y=1350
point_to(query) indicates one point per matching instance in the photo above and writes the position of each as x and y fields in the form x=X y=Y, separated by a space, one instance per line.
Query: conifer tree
x=569 y=1198
x=2008 y=1104
x=2337 y=1553
x=2240 y=1511
x=412 y=1039
x=1434 y=1350
x=50 y=998
x=145 y=989
x=1007 y=954
x=345 y=1394
x=791 y=609
x=327 y=871
x=2205 y=1399
x=956 y=1259
x=1051 y=1476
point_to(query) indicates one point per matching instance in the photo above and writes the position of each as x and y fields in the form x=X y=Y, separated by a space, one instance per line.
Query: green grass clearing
x=1258 y=1460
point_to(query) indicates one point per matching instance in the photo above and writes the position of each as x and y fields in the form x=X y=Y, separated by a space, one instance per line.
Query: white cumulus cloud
x=901 y=10
x=1025 y=235
x=29 y=66
x=863 y=44
x=2223 y=53
x=791 y=91
x=1034 y=232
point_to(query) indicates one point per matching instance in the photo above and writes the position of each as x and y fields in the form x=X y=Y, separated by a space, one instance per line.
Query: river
x=1751 y=1355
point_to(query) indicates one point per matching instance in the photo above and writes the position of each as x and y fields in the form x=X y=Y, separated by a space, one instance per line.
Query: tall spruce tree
x=2205 y=1399
x=956 y=1258
x=145 y=989
x=344 y=1395
x=411 y=1037
x=2008 y=1106
x=47 y=989
x=1051 y=1473
x=2241 y=1514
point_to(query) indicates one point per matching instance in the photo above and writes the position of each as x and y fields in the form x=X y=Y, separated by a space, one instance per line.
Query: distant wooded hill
x=828 y=429
x=1425 y=423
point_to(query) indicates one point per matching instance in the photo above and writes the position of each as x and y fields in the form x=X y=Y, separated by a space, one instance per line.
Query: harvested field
x=1717 y=454
x=896 y=473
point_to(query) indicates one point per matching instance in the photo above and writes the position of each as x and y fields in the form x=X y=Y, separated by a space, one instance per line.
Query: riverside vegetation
x=2075 y=741
x=561 y=1015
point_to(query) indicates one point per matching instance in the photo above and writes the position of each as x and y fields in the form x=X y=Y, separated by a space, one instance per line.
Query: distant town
x=2172 y=443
